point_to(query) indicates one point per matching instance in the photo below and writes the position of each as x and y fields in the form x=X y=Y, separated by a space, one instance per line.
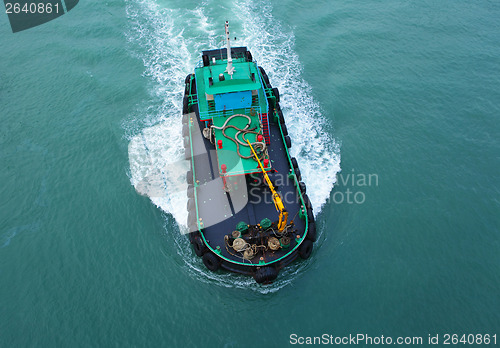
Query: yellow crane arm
x=278 y=203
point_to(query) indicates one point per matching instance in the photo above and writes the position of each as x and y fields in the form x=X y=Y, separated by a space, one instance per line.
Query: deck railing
x=205 y=115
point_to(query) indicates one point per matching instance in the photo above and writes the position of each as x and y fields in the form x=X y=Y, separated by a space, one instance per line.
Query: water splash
x=317 y=153
x=158 y=37
x=169 y=50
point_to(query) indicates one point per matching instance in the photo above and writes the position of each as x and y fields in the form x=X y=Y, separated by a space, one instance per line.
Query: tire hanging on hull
x=265 y=275
x=211 y=261
x=276 y=94
x=302 y=187
x=307 y=202
x=199 y=247
x=311 y=232
x=297 y=174
x=288 y=141
x=264 y=76
x=305 y=249
x=284 y=130
x=185 y=105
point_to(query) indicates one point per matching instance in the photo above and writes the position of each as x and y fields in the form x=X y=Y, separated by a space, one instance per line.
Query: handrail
x=205 y=115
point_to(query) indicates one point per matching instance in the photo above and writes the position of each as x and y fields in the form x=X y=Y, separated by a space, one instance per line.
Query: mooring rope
x=258 y=144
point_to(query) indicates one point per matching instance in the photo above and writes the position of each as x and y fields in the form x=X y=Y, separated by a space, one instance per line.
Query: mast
x=229 y=68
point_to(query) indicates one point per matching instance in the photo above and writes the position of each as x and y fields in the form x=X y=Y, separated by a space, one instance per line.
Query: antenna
x=229 y=69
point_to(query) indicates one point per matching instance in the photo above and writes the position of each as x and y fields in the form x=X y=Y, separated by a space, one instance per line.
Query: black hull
x=210 y=241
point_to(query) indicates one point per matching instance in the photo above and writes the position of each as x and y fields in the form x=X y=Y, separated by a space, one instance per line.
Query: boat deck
x=218 y=211
x=227 y=151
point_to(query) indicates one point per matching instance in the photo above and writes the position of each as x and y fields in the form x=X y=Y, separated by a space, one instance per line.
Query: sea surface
x=394 y=113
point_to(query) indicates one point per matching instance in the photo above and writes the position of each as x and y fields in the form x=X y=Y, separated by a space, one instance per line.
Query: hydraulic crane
x=278 y=203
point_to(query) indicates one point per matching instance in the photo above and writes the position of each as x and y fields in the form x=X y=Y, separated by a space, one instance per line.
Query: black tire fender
x=199 y=246
x=281 y=117
x=211 y=261
x=190 y=191
x=307 y=201
x=192 y=236
x=288 y=141
x=276 y=93
x=311 y=232
x=190 y=204
x=191 y=219
x=284 y=130
x=310 y=216
x=264 y=76
x=305 y=249
x=302 y=187
x=265 y=275
x=297 y=174
x=185 y=105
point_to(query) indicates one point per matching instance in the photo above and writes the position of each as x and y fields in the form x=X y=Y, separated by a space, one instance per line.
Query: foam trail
x=169 y=50
x=156 y=154
x=317 y=152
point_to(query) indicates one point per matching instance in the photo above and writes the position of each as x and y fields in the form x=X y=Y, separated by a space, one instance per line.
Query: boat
x=248 y=210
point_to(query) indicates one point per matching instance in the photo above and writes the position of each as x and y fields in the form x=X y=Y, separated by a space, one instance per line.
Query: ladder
x=265 y=127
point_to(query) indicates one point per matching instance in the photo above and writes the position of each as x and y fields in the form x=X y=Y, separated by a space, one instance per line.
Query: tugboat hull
x=233 y=217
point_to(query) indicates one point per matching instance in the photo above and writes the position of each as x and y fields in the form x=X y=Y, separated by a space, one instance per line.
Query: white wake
x=169 y=51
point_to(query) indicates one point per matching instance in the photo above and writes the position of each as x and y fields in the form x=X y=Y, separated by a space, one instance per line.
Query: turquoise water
x=402 y=97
